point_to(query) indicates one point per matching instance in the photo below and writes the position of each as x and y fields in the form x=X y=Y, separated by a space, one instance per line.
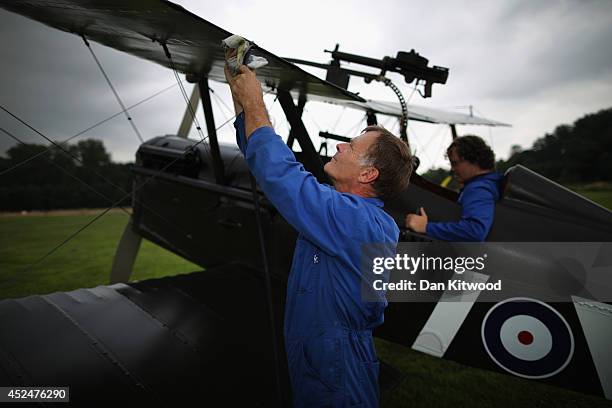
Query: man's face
x=463 y=169
x=346 y=166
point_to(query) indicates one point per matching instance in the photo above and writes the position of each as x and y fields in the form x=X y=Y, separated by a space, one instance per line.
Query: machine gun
x=409 y=64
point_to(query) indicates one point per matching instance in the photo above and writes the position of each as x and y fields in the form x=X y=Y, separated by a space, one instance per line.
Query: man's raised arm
x=248 y=97
x=310 y=207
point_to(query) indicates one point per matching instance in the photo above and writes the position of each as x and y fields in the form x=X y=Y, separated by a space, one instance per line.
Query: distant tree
x=30 y=173
x=436 y=175
x=515 y=149
x=55 y=179
x=4 y=163
x=21 y=152
x=93 y=153
x=581 y=152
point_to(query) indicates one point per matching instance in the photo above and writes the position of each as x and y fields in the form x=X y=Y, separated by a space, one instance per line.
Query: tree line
x=55 y=179
x=571 y=154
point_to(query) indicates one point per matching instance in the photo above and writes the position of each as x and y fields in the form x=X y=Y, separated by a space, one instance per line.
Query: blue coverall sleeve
x=240 y=133
x=316 y=210
x=478 y=210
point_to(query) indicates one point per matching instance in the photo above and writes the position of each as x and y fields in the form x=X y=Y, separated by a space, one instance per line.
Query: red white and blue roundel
x=527 y=338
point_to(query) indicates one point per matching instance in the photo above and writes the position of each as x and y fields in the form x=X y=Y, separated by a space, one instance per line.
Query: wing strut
x=202 y=91
x=371 y=118
x=126 y=254
x=187 y=122
x=300 y=111
x=312 y=161
x=217 y=162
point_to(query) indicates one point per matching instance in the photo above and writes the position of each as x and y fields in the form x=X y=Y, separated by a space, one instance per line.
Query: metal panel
x=42 y=346
x=446 y=319
x=596 y=321
x=158 y=341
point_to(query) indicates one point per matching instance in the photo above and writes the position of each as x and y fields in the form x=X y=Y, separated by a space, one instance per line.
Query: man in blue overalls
x=472 y=162
x=328 y=325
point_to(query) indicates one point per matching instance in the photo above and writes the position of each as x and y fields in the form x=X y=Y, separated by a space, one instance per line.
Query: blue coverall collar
x=481 y=176
x=375 y=200
x=372 y=200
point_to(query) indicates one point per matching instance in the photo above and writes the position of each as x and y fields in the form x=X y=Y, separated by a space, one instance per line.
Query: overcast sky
x=532 y=64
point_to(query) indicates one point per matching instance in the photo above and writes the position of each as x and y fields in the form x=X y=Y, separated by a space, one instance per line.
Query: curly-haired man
x=472 y=162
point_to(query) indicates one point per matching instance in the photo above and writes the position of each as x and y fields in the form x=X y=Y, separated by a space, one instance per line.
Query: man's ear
x=368 y=175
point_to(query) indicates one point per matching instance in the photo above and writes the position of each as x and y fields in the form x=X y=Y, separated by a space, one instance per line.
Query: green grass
x=432 y=382
x=600 y=192
x=86 y=262
x=602 y=197
x=83 y=262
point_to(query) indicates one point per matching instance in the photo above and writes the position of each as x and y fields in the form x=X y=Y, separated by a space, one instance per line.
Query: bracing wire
x=80 y=180
x=221 y=110
x=186 y=98
x=110 y=84
x=412 y=93
x=106 y=179
x=57 y=145
x=355 y=126
x=51 y=147
x=338 y=120
x=440 y=147
x=183 y=92
x=436 y=133
x=311 y=117
x=414 y=137
x=220 y=100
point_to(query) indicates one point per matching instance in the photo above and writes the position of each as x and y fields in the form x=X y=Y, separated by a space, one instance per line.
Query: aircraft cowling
x=212 y=223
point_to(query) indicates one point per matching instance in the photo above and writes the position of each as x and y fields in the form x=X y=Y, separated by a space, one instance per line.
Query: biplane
x=216 y=333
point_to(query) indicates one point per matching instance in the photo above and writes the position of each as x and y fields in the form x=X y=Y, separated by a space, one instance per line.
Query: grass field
x=601 y=194
x=83 y=262
x=432 y=382
x=86 y=262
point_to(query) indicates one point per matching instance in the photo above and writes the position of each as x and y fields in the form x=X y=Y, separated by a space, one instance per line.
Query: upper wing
x=418 y=113
x=138 y=27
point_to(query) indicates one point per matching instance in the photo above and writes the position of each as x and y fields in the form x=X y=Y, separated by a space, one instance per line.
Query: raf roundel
x=527 y=338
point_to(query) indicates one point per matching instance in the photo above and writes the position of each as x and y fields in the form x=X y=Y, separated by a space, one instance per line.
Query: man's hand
x=247 y=94
x=417 y=223
x=231 y=52
x=245 y=87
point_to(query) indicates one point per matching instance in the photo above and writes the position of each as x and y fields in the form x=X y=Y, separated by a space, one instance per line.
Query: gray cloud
x=554 y=45
x=50 y=80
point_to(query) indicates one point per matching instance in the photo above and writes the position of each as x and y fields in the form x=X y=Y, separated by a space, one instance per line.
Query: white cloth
x=243 y=54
